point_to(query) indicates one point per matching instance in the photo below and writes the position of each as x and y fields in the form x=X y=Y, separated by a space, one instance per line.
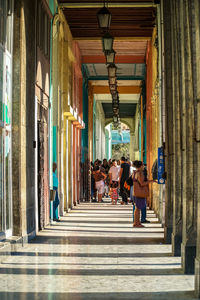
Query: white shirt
x=132 y=169
x=115 y=173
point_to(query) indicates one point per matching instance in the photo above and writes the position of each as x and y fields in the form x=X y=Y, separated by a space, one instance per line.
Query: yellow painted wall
x=66 y=59
x=155 y=117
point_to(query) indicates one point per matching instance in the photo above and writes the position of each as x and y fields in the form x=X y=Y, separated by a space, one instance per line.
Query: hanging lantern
x=113 y=92
x=116 y=110
x=107 y=41
x=115 y=97
x=112 y=80
x=104 y=18
x=115 y=104
x=112 y=69
x=113 y=87
x=115 y=118
x=110 y=57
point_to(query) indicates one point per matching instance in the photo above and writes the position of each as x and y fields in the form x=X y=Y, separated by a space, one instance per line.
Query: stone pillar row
x=23 y=108
x=182 y=67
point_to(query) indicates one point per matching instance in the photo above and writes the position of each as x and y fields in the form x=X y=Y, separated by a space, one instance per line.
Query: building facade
x=6 y=74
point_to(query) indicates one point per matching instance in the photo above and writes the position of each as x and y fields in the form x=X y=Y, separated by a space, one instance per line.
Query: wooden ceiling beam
x=112 y=4
x=119 y=33
x=119 y=59
x=121 y=89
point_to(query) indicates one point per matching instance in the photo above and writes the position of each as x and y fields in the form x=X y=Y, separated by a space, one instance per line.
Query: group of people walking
x=122 y=178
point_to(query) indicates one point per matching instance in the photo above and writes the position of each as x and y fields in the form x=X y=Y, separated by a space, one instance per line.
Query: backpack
x=127 y=185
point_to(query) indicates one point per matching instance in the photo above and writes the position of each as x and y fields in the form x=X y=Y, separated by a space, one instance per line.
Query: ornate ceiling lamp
x=112 y=70
x=110 y=57
x=113 y=88
x=107 y=42
x=104 y=18
x=112 y=81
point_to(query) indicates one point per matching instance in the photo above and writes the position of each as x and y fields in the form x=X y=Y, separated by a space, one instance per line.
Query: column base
x=168 y=234
x=188 y=254
x=197 y=277
x=176 y=244
x=61 y=205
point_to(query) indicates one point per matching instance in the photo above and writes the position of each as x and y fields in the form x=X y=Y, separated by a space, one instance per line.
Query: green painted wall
x=53 y=6
x=84 y=136
x=55 y=144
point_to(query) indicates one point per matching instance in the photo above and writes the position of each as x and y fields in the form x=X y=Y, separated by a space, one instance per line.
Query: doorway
x=5 y=183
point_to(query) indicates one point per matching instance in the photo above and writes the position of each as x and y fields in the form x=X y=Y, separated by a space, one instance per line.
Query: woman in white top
x=114 y=181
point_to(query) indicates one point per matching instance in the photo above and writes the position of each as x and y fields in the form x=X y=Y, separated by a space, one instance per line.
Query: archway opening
x=117 y=141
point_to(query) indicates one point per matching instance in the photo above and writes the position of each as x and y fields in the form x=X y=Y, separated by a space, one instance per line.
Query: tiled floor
x=95 y=253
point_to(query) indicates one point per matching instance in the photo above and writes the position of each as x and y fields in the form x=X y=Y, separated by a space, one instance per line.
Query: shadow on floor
x=102 y=222
x=93 y=272
x=99 y=296
x=96 y=240
x=60 y=225
x=151 y=230
x=98 y=255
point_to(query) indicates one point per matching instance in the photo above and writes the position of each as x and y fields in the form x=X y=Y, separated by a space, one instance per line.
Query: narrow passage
x=95 y=253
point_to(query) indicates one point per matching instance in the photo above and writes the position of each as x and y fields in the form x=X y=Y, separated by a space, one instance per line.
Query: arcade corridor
x=94 y=253
x=74 y=74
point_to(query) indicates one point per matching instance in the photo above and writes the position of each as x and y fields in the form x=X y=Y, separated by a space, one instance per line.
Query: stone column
x=23 y=115
x=177 y=197
x=196 y=76
x=169 y=122
x=188 y=247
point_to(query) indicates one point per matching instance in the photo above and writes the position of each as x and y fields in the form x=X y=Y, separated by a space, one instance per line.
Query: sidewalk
x=95 y=253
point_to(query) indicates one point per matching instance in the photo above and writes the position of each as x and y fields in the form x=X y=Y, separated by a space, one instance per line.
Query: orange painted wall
x=153 y=116
x=78 y=107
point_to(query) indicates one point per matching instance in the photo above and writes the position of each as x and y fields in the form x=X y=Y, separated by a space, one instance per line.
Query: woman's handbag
x=140 y=191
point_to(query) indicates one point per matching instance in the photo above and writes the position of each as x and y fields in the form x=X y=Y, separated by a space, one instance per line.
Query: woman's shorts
x=100 y=186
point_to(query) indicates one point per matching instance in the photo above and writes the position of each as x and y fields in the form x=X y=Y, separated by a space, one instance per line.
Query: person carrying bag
x=140 y=191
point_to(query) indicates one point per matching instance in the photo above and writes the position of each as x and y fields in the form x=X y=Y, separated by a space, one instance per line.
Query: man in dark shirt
x=105 y=169
x=105 y=166
x=123 y=175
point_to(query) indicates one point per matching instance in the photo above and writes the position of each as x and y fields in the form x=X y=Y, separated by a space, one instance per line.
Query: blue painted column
x=84 y=136
x=52 y=129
